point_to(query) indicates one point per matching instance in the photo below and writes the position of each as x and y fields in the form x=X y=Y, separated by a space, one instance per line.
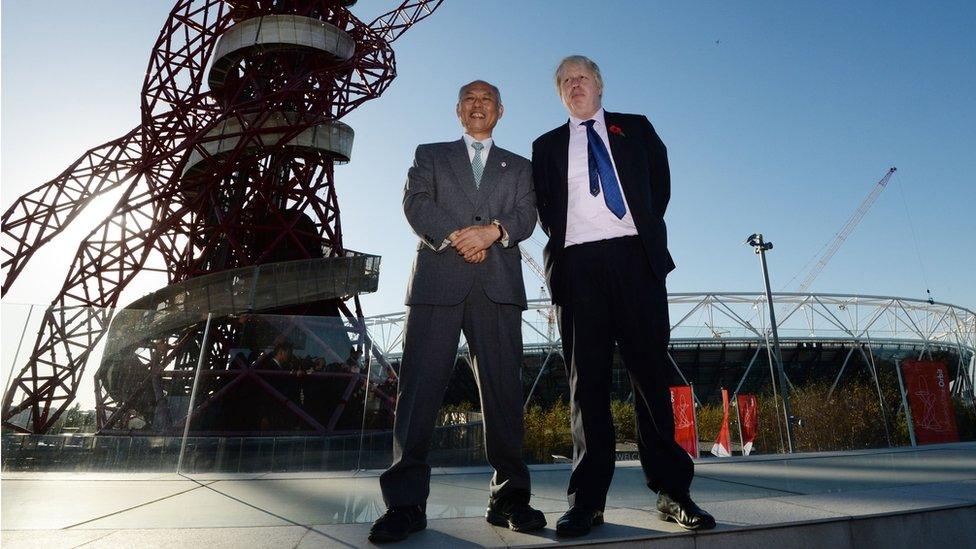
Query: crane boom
x=846 y=231
x=533 y=264
x=547 y=312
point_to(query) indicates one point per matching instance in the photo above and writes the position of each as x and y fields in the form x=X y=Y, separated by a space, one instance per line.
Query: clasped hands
x=473 y=242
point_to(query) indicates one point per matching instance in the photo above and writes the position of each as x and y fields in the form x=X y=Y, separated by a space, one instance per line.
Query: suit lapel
x=620 y=149
x=462 y=170
x=493 y=172
x=560 y=193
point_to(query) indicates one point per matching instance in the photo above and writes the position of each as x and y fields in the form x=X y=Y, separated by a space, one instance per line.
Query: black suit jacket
x=642 y=164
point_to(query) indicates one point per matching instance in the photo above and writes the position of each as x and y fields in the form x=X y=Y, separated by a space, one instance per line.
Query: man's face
x=479 y=111
x=580 y=91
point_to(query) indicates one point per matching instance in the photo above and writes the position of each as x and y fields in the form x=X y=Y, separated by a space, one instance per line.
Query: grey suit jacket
x=440 y=197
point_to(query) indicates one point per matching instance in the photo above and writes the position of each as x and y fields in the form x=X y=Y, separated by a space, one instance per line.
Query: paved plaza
x=922 y=497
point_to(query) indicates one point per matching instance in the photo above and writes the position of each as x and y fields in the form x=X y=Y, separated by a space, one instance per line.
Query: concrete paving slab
x=946 y=527
x=628 y=489
x=801 y=536
x=869 y=502
x=211 y=538
x=962 y=491
x=453 y=533
x=50 y=539
x=39 y=504
x=200 y=508
x=707 y=490
x=749 y=499
x=547 y=494
x=834 y=473
x=308 y=501
x=749 y=512
x=622 y=524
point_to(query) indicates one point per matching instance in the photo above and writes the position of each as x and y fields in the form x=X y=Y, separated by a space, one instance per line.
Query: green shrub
x=624 y=420
x=850 y=419
x=710 y=422
x=547 y=432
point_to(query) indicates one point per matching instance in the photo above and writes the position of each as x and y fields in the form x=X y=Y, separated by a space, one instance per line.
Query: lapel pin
x=504 y=165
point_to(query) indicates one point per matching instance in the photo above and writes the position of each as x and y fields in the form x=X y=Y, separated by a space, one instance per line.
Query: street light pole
x=756 y=241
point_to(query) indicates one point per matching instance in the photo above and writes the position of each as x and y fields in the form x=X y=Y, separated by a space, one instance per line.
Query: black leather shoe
x=682 y=510
x=515 y=513
x=578 y=521
x=397 y=523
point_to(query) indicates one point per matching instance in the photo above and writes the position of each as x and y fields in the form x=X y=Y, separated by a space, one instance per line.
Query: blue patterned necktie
x=477 y=164
x=601 y=172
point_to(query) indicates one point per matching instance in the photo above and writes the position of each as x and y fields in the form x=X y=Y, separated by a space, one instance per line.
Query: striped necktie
x=477 y=164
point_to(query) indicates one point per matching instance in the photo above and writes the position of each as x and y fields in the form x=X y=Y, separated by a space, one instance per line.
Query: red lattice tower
x=228 y=188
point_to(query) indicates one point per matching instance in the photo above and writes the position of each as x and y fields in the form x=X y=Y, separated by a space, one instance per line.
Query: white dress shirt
x=587 y=217
x=468 y=140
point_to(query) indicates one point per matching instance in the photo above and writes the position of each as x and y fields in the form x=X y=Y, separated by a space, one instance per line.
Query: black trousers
x=613 y=296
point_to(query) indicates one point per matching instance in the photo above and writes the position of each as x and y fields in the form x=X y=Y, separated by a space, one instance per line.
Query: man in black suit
x=602 y=186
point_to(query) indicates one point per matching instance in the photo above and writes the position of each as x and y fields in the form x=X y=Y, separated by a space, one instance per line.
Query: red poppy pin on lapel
x=615 y=129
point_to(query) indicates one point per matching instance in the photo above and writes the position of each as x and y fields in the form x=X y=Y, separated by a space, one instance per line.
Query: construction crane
x=548 y=313
x=846 y=231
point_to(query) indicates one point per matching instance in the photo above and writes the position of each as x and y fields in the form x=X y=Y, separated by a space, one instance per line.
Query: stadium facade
x=721 y=340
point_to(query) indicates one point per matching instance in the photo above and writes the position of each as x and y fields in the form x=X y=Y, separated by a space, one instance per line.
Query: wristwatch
x=501 y=232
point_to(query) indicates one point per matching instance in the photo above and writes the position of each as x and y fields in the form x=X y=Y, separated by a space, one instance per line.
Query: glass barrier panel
x=286 y=393
x=127 y=377
x=20 y=326
x=301 y=393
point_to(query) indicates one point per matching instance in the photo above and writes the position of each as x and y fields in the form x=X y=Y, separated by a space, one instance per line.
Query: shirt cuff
x=443 y=245
x=504 y=239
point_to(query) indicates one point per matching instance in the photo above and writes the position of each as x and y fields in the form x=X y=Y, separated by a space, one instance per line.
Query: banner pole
x=694 y=416
x=904 y=402
x=738 y=421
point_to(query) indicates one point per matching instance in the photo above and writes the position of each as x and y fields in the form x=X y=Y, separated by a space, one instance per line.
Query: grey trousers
x=431 y=338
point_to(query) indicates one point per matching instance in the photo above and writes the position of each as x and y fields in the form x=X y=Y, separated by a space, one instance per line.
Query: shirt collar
x=468 y=140
x=598 y=116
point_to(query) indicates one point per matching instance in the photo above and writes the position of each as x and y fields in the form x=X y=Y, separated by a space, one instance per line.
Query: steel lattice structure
x=230 y=168
x=741 y=319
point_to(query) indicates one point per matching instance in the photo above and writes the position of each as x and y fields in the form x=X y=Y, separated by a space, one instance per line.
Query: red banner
x=723 y=446
x=685 y=425
x=927 y=385
x=748 y=410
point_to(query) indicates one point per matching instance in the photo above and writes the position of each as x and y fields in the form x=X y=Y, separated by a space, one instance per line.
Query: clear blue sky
x=783 y=126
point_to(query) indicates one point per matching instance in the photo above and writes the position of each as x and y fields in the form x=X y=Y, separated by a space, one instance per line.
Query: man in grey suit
x=471 y=203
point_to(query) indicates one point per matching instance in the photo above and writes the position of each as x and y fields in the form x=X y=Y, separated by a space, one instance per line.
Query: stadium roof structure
x=725 y=322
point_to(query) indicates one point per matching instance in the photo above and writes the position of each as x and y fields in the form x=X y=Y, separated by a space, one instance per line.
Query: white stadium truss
x=858 y=321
